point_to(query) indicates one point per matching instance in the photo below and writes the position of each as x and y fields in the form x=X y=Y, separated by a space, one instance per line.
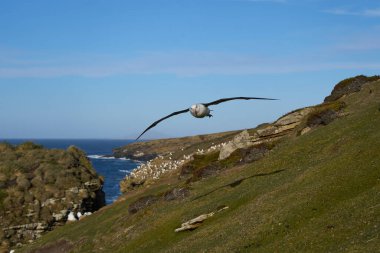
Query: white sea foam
x=112 y=157
x=100 y=157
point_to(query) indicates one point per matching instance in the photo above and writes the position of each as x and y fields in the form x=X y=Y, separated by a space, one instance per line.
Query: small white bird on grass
x=201 y=110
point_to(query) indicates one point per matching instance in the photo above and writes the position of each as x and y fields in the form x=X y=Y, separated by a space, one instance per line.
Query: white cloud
x=181 y=64
x=263 y=1
x=268 y=1
x=367 y=41
x=366 y=12
x=361 y=45
x=372 y=13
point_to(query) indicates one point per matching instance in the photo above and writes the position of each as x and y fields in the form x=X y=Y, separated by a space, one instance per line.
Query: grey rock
x=48 y=202
x=282 y=127
x=61 y=216
x=293 y=117
x=142 y=203
x=176 y=193
x=242 y=140
x=138 y=154
x=305 y=130
x=73 y=190
x=196 y=222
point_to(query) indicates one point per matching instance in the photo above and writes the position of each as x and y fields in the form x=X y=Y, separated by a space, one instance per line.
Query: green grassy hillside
x=318 y=192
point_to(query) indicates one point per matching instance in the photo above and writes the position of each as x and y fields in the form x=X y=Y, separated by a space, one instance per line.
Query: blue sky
x=108 y=69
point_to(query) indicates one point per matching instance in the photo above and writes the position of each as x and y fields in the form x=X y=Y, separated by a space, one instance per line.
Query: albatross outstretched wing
x=164 y=118
x=234 y=98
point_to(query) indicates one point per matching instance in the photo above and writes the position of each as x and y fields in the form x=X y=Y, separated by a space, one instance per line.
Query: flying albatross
x=200 y=110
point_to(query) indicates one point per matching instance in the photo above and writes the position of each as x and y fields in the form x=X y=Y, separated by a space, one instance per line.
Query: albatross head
x=193 y=110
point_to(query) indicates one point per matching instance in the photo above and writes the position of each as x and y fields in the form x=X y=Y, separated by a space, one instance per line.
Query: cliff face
x=40 y=187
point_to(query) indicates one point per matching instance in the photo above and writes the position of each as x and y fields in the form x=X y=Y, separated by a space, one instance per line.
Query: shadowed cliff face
x=39 y=187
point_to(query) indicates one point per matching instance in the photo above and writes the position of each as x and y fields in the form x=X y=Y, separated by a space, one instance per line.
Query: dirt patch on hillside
x=61 y=246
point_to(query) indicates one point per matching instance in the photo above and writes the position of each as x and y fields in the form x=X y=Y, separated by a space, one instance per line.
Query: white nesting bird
x=71 y=217
x=200 y=110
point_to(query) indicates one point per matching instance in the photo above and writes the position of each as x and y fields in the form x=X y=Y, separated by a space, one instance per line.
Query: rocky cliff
x=39 y=188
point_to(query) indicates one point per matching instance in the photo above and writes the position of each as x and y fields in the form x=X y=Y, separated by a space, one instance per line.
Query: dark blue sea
x=113 y=170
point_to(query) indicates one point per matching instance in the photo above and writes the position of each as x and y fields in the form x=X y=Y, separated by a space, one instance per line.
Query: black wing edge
x=158 y=121
x=235 y=98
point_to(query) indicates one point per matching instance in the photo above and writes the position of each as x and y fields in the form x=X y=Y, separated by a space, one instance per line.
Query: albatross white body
x=200 y=111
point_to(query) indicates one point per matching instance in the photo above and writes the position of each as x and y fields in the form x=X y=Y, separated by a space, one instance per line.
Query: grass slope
x=314 y=193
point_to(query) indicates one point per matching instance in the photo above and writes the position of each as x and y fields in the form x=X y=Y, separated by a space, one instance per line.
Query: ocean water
x=113 y=170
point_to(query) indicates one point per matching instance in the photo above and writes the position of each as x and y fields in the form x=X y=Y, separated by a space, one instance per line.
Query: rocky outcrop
x=176 y=194
x=170 y=195
x=142 y=203
x=284 y=126
x=348 y=86
x=198 y=221
x=40 y=188
x=28 y=232
x=241 y=140
x=253 y=153
x=297 y=122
